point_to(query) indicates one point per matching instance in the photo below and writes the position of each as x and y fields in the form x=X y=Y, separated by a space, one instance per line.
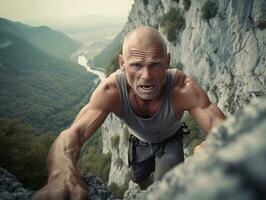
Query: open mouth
x=147 y=87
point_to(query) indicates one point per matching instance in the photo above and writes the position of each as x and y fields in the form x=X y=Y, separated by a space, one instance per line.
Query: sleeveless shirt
x=162 y=125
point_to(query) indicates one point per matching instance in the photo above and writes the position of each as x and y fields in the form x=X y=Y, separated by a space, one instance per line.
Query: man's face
x=145 y=69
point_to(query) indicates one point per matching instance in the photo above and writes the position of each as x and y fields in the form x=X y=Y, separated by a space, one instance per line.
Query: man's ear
x=121 y=62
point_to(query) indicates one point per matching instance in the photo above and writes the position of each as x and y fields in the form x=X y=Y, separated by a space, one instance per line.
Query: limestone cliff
x=115 y=140
x=221 y=44
x=225 y=52
x=231 y=166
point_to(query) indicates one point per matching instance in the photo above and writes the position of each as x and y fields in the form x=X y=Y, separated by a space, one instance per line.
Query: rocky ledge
x=231 y=166
x=12 y=189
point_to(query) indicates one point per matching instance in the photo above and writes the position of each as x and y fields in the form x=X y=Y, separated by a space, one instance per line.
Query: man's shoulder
x=184 y=85
x=109 y=86
x=180 y=80
x=106 y=95
x=187 y=92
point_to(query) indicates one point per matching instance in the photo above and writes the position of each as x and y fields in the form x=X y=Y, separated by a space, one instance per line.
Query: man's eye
x=137 y=65
x=155 y=65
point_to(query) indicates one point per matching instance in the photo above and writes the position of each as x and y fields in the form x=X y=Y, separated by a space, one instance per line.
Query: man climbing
x=150 y=99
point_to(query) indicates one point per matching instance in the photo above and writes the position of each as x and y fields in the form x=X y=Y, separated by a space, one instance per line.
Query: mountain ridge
x=50 y=41
x=33 y=81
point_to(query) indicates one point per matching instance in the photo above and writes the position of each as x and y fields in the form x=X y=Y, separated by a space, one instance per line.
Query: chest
x=144 y=109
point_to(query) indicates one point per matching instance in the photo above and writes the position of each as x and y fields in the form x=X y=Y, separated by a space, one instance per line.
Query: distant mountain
x=105 y=59
x=52 y=42
x=35 y=87
x=87 y=23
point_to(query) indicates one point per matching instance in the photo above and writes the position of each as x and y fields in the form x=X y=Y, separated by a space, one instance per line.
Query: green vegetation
x=51 y=42
x=195 y=137
x=45 y=92
x=146 y=2
x=187 y=4
x=40 y=89
x=114 y=63
x=93 y=160
x=125 y=135
x=172 y=23
x=119 y=191
x=23 y=153
x=178 y=66
x=115 y=141
x=177 y=1
x=119 y=162
x=209 y=10
x=107 y=56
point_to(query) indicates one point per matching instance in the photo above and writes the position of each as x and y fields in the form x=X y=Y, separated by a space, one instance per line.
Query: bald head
x=144 y=38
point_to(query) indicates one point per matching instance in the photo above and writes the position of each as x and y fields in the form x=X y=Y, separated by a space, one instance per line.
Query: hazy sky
x=42 y=10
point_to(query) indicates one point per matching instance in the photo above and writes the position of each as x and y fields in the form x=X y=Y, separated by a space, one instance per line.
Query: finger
x=51 y=193
x=78 y=193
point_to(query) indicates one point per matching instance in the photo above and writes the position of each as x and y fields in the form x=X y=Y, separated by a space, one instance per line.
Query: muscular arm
x=64 y=181
x=188 y=96
x=206 y=114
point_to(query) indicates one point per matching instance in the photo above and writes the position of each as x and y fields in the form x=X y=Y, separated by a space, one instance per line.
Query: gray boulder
x=12 y=189
x=231 y=166
x=96 y=188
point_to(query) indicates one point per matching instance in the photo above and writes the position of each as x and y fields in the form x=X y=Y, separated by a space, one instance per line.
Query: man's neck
x=144 y=108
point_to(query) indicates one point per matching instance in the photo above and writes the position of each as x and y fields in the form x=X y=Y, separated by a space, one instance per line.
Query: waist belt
x=139 y=151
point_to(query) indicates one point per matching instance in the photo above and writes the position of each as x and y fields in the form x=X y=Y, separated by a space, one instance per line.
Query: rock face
x=231 y=166
x=225 y=53
x=115 y=140
x=96 y=188
x=12 y=189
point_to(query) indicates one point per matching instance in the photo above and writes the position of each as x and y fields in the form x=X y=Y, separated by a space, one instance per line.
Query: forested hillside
x=41 y=92
x=52 y=42
x=23 y=153
x=37 y=88
x=104 y=60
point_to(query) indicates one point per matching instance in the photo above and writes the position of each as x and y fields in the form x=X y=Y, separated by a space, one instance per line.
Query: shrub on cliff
x=172 y=22
x=209 y=10
x=115 y=141
x=186 y=4
x=119 y=191
x=146 y=2
x=114 y=63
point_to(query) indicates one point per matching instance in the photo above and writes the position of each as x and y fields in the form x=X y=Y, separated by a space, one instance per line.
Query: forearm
x=208 y=117
x=64 y=180
x=216 y=116
x=63 y=155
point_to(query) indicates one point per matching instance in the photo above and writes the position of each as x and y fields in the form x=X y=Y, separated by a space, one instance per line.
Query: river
x=83 y=61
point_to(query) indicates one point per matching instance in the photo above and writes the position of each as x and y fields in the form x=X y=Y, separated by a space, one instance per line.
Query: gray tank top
x=162 y=125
